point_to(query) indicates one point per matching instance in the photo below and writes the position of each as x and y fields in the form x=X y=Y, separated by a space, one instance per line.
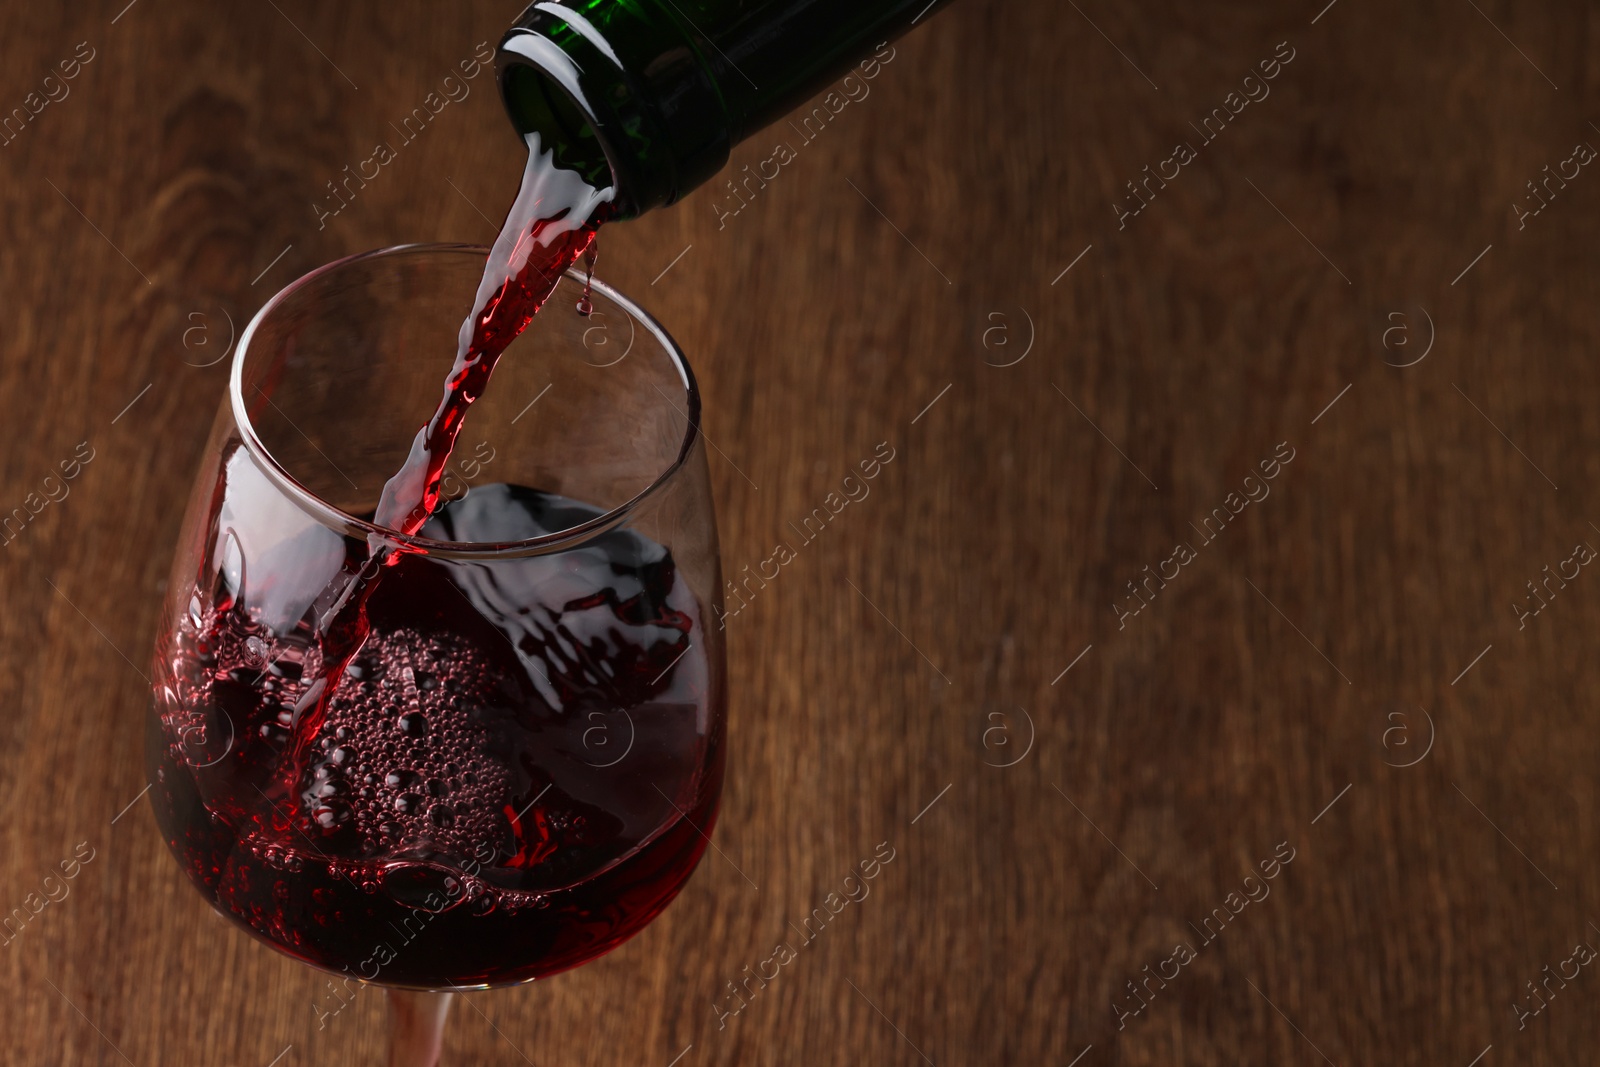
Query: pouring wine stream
x=551 y=223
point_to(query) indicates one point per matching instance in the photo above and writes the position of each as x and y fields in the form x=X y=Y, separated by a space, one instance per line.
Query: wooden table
x=1204 y=555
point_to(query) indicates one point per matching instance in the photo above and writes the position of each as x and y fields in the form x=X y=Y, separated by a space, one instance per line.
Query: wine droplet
x=585 y=305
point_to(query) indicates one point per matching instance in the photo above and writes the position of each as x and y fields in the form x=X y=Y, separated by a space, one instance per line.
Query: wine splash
x=460 y=814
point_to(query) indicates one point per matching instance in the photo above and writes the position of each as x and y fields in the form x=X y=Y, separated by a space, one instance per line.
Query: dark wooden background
x=1358 y=619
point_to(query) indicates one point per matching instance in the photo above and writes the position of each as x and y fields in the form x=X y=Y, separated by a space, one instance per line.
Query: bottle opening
x=618 y=96
x=538 y=104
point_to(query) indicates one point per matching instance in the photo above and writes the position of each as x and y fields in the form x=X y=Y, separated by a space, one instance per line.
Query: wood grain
x=1262 y=700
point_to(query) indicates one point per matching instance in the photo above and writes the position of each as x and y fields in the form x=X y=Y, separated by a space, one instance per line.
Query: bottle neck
x=649 y=96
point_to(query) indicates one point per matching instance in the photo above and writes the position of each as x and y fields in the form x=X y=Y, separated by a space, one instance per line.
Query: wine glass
x=520 y=767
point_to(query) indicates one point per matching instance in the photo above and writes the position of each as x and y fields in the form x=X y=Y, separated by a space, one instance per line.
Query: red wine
x=516 y=772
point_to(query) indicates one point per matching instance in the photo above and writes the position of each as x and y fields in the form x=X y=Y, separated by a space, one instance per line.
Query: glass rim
x=338 y=519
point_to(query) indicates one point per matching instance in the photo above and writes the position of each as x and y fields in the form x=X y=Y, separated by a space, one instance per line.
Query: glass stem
x=417 y=1029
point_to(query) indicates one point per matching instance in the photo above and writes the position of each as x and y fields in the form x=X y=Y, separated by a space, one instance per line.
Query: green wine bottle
x=648 y=96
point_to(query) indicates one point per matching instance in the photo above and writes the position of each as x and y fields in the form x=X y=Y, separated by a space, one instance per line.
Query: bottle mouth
x=618 y=96
x=552 y=105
